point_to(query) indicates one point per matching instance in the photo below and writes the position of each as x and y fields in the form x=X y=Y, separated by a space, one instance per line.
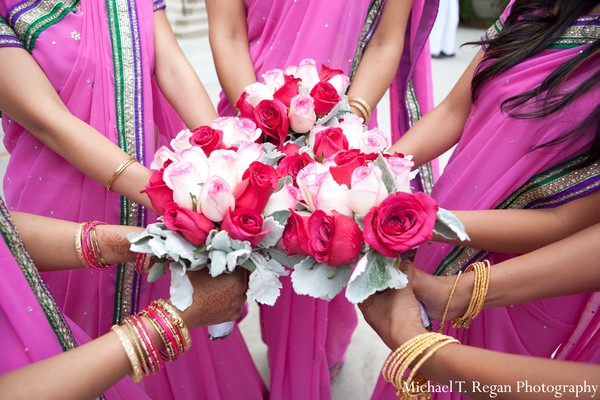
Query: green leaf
x=449 y=226
x=374 y=273
x=319 y=280
x=388 y=179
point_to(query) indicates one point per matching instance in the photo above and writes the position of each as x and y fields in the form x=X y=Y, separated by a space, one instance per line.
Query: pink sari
x=32 y=327
x=117 y=98
x=477 y=179
x=307 y=338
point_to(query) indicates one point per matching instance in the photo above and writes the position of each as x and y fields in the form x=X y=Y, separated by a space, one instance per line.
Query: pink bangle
x=90 y=248
x=171 y=351
x=149 y=342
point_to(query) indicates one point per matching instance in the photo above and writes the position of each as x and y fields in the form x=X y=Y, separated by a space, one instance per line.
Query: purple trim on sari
x=571 y=193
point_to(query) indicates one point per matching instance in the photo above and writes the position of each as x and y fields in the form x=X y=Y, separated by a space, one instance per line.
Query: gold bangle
x=482 y=271
x=443 y=321
x=178 y=322
x=361 y=104
x=78 y=247
x=96 y=247
x=119 y=171
x=142 y=351
x=136 y=371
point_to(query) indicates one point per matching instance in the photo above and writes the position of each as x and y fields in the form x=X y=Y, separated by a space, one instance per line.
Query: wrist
x=405 y=332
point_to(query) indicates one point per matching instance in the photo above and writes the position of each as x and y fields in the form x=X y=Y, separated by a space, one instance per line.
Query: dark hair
x=531 y=27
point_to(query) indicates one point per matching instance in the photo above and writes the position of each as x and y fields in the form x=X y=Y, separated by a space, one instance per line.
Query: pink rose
x=400 y=168
x=258 y=183
x=159 y=193
x=401 y=222
x=333 y=239
x=302 y=113
x=285 y=199
x=327 y=73
x=291 y=165
x=274 y=79
x=325 y=96
x=182 y=140
x=307 y=72
x=258 y=92
x=353 y=129
x=271 y=117
x=207 y=138
x=246 y=225
x=295 y=235
x=321 y=192
x=185 y=180
x=246 y=109
x=373 y=141
x=328 y=142
x=194 y=227
x=290 y=148
x=336 y=77
x=236 y=130
x=345 y=164
x=162 y=155
x=216 y=199
x=367 y=189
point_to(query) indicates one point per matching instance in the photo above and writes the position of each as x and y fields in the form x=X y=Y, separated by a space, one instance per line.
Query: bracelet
x=119 y=171
x=143 y=263
x=136 y=373
x=443 y=321
x=78 y=247
x=482 y=271
x=420 y=347
x=361 y=105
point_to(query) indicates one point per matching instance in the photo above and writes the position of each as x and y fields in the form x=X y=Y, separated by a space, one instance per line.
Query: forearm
x=475 y=372
x=82 y=373
x=442 y=127
x=51 y=242
x=381 y=58
x=228 y=36
x=24 y=86
x=177 y=79
x=522 y=231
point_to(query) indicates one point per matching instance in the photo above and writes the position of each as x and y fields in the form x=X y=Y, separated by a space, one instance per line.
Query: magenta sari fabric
x=307 y=338
x=117 y=98
x=491 y=161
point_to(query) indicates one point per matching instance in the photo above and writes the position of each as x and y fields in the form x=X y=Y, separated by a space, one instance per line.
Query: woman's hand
x=434 y=291
x=217 y=299
x=394 y=314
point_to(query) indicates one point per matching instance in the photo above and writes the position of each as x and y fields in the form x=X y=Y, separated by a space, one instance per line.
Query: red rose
x=207 y=138
x=295 y=235
x=193 y=226
x=330 y=141
x=271 y=117
x=258 y=184
x=345 y=163
x=244 y=224
x=288 y=90
x=159 y=193
x=328 y=73
x=290 y=149
x=246 y=109
x=325 y=96
x=333 y=239
x=291 y=165
x=401 y=222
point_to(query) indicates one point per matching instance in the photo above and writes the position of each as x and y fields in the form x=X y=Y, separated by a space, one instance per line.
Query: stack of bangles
x=412 y=354
x=362 y=106
x=144 y=354
x=87 y=247
x=119 y=171
x=482 y=271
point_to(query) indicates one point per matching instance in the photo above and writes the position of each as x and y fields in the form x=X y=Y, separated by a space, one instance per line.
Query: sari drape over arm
x=99 y=56
x=496 y=165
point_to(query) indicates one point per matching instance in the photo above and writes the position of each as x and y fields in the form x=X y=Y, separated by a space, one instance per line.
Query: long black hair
x=531 y=27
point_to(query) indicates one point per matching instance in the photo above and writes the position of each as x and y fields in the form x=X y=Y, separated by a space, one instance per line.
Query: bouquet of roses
x=289 y=103
x=356 y=219
x=215 y=193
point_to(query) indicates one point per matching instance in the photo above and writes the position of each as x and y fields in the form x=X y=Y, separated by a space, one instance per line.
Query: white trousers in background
x=443 y=33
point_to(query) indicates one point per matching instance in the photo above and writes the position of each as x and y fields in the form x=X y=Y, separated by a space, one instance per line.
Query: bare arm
x=381 y=58
x=522 y=231
x=566 y=267
x=24 y=86
x=87 y=371
x=177 y=79
x=51 y=242
x=228 y=35
x=442 y=127
x=395 y=316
